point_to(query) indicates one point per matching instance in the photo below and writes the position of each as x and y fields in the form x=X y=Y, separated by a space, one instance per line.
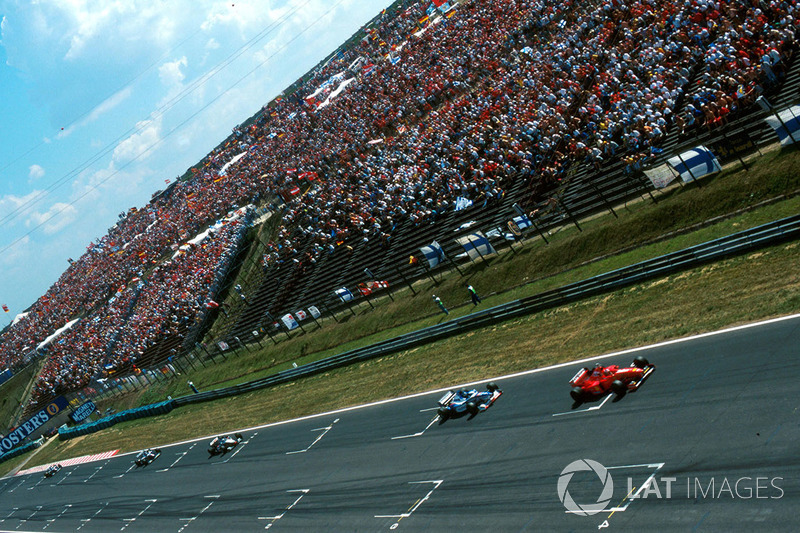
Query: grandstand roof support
x=405 y=280
x=569 y=214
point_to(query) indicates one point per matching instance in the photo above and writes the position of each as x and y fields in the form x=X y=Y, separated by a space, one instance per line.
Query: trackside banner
x=30 y=425
x=83 y=412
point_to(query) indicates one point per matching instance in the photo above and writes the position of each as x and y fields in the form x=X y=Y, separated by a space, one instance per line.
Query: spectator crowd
x=438 y=107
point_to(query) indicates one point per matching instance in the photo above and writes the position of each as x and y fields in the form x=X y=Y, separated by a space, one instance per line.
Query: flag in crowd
x=660 y=176
x=289 y=321
x=5 y=308
x=368 y=287
x=462 y=203
x=695 y=163
x=344 y=294
x=786 y=124
x=522 y=221
x=433 y=253
x=476 y=245
x=519 y=223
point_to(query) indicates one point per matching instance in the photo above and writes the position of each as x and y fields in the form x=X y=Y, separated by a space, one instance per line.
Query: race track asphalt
x=715 y=430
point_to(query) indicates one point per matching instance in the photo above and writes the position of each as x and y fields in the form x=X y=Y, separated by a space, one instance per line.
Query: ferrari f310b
x=588 y=384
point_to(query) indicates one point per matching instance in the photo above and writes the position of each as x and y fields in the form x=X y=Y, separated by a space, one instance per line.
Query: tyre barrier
x=106 y=422
x=19 y=450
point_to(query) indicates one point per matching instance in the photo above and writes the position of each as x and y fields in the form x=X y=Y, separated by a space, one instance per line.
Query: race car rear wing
x=577 y=376
x=445 y=400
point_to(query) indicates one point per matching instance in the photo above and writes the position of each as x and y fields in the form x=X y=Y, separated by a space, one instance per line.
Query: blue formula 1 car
x=472 y=402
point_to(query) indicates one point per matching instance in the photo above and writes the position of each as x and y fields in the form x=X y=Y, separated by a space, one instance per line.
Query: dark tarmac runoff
x=708 y=443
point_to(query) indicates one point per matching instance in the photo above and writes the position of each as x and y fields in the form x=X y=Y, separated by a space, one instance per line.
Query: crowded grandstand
x=435 y=108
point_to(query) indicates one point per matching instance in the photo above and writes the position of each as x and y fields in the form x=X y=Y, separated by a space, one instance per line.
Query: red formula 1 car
x=591 y=383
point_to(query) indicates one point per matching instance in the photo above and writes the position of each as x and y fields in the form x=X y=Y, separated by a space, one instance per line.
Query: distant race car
x=599 y=381
x=223 y=444
x=147 y=456
x=460 y=402
x=52 y=471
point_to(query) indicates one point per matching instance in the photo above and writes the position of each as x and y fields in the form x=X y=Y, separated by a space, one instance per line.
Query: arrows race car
x=460 y=402
x=223 y=444
x=599 y=381
x=147 y=456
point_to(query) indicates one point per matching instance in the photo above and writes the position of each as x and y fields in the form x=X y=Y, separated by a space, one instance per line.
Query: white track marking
x=319 y=437
x=273 y=519
x=213 y=498
x=635 y=495
x=630 y=498
x=13 y=510
x=239 y=448
x=428 y=409
x=472 y=384
x=419 y=433
x=87 y=520
x=60 y=481
x=20 y=484
x=180 y=456
x=37 y=483
x=129 y=521
x=96 y=470
x=435 y=482
x=51 y=520
x=593 y=408
x=24 y=520
x=499 y=378
x=128 y=470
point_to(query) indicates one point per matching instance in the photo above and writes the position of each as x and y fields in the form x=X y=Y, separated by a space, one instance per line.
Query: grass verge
x=623 y=319
x=371 y=326
x=764 y=284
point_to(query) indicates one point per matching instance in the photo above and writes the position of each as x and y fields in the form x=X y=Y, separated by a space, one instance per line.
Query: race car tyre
x=619 y=387
x=472 y=408
x=577 y=394
x=444 y=414
x=492 y=386
x=239 y=437
x=640 y=362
